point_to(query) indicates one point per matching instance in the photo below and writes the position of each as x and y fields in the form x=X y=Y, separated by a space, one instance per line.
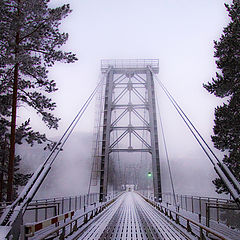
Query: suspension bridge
x=120 y=203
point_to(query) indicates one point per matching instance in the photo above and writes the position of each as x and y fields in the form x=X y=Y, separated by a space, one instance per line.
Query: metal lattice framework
x=129 y=91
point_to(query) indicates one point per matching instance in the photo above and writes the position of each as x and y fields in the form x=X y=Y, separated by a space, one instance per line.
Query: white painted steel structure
x=129 y=90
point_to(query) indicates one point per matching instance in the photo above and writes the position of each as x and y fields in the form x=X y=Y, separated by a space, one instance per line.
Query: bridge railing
x=39 y=210
x=63 y=227
x=207 y=208
x=194 y=204
x=199 y=230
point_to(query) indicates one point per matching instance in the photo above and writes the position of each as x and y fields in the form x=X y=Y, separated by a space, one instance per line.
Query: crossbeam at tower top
x=131 y=64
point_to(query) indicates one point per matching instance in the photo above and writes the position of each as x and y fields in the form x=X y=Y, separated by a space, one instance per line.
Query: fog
x=178 y=33
x=70 y=174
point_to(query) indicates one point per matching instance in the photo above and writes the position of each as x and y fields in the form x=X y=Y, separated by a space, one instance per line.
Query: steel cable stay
x=166 y=153
x=18 y=207
x=74 y=125
x=221 y=169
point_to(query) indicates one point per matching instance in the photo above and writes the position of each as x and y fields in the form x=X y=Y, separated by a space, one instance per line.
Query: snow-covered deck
x=131 y=217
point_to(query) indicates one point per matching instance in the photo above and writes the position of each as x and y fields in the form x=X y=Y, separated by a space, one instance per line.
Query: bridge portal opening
x=130 y=187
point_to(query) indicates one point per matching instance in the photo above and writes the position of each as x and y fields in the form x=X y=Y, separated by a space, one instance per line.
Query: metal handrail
x=93 y=212
x=169 y=213
x=31 y=228
x=60 y=198
x=198 y=197
x=130 y=63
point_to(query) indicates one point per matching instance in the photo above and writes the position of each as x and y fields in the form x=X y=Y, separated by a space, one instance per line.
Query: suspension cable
x=76 y=120
x=186 y=120
x=221 y=169
x=72 y=125
x=198 y=133
x=166 y=152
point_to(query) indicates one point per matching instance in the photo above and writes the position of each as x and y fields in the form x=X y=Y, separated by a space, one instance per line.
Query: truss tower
x=129 y=110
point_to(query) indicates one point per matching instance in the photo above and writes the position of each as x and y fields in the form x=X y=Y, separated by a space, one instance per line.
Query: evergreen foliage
x=30 y=42
x=227 y=85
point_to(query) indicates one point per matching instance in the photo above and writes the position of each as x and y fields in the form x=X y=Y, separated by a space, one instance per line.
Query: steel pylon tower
x=129 y=90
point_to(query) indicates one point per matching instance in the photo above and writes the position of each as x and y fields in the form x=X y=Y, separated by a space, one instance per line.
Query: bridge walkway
x=131 y=217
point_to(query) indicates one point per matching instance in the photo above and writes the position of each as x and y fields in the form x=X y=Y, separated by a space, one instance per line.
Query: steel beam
x=154 y=137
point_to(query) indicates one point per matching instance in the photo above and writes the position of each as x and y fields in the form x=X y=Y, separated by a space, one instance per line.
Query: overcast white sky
x=179 y=33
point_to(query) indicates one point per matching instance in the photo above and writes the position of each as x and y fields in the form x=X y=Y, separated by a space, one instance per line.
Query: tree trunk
x=4 y=156
x=14 y=117
x=13 y=127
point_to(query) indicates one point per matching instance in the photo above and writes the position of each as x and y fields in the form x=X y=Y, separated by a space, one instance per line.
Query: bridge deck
x=130 y=217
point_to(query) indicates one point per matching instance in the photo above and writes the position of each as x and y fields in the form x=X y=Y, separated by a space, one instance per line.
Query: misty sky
x=180 y=34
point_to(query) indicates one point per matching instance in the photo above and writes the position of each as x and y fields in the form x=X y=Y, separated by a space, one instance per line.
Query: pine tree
x=227 y=85
x=30 y=42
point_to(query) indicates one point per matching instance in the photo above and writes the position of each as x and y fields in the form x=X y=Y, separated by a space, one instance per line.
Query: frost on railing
x=211 y=209
x=42 y=209
x=130 y=63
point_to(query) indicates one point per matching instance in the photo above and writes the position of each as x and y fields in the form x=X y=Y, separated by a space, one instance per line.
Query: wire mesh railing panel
x=230 y=218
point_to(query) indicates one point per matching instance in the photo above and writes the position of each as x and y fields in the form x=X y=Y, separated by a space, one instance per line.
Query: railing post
x=186 y=202
x=181 y=202
x=177 y=219
x=86 y=218
x=202 y=236
x=207 y=217
x=45 y=209
x=75 y=203
x=188 y=226
x=69 y=203
x=71 y=228
x=192 y=205
x=200 y=206
x=58 y=208
x=75 y=226
x=62 y=205
x=62 y=236
x=36 y=212
x=217 y=212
